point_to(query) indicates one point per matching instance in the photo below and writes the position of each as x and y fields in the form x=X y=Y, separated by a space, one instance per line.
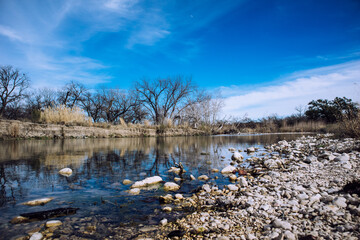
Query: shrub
x=64 y=115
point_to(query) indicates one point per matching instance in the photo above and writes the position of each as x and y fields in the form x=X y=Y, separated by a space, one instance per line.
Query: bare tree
x=165 y=98
x=92 y=103
x=300 y=110
x=116 y=104
x=12 y=87
x=72 y=94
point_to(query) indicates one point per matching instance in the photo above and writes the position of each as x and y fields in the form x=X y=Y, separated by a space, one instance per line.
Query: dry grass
x=122 y=122
x=64 y=115
x=350 y=127
x=308 y=126
x=168 y=123
x=147 y=123
x=14 y=130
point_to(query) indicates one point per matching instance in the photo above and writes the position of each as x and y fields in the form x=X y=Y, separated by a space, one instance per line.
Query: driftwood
x=42 y=215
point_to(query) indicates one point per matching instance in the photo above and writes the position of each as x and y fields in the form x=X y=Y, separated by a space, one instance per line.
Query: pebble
x=281 y=224
x=36 y=236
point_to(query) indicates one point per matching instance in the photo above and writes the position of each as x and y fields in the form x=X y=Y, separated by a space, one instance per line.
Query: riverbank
x=14 y=129
x=300 y=190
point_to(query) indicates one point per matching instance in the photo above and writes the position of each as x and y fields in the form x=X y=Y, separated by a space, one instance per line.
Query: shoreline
x=20 y=130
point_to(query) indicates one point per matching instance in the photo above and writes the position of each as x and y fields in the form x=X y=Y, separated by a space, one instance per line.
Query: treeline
x=173 y=99
x=341 y=116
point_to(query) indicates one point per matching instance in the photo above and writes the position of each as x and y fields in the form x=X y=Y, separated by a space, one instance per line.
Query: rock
x=314 y=199
x=214 y=170
x=147 y=181
x=164 y=221
x=250 y=149
x=53 y=223
x=67 y=172
x=36 y=236
x=310 y=159
x=127 y=182
x=192 y=177
x=171 y=186
x=342 y=158
x=176 y=170
x=233 y=177
x=206 y=187
x=289 y=235
x=281 y=224
x=232 y=187
x=167 y=209
x=237 y=156
x=232 y=149
x=37 y=202
x=228 y=169
x=166 y=199
x=19 y=219
x=243 y=182
x=340 y=202
x=179 y=196
x=134 y=191
x=302 y=196
x=176 y=179
x=203 y=177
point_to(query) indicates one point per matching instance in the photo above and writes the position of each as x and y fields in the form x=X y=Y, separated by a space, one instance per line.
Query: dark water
x=29 y=170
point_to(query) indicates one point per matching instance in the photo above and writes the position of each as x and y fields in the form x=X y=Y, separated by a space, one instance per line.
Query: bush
x=65 y=115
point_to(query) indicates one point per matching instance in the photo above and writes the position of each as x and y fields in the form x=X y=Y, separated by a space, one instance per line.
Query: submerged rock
x=37 y=202
x=127 y=182
x=147 y=181
x=19 y=219
x=67 y=172
x=176 y=170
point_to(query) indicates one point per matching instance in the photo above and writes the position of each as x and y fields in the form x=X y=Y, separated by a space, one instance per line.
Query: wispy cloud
x=10 y=33
x=298 y=89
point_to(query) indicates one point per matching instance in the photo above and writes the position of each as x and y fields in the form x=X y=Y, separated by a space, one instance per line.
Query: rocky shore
x=304 y=189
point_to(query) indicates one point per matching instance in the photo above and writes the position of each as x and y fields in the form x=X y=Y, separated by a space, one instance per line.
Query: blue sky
x=265 y=56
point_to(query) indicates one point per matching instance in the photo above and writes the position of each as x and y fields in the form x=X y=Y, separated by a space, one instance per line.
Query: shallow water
x=29 y=170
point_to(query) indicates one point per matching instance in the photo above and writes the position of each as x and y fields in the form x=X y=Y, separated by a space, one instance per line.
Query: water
x=29 y=170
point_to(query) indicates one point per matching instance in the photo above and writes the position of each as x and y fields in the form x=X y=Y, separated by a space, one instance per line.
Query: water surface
x=29 y=170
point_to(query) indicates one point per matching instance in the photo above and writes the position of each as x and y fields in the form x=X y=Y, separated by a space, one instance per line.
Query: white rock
x=203 y=177
x=281 y=224
x=346 y=165
x=127 y=182
x=302 y=196
x=314 y=199
x=67 y=172
x=236 y=156
x=176 y=170
x=36 y=236
x=179 y=196
x=164 y=221
x=243 y=182
x=167 y=209
x=53 y=223
x=206 y=187
x=134 y=191
x=146 y=182
x=192 y=177
x=250 y=149
x=233 y=177
x=228 y=169
x=170 y=186
x=342 y=158
x=37 y=202
x=232 y=187
x=340 y=202
x=289 y=235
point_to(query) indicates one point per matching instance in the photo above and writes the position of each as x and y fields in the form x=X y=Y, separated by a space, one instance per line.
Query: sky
x=265 y=57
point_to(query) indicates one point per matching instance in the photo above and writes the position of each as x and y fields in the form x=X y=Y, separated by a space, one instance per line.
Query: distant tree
x=72 y=94
x=13 y=85
x=93 y=105
x=331 y=110
x=165 y=98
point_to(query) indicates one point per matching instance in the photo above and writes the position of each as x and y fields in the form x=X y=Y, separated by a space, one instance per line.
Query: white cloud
x=298 y=89
x=10 y=33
